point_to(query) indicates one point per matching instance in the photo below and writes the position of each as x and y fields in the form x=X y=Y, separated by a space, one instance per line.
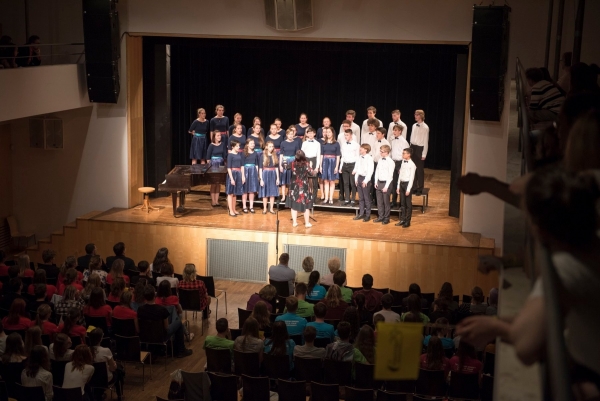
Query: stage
x=432 y=250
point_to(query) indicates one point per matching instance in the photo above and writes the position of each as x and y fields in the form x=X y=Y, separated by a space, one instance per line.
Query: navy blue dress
x=269 y=176
x=276 y=142
x=231 y=127
x=288 y=154
x=329 y=152
x=216 y=155
x=199 y=139
x=241 y=140
x=234 y=162
x=301 y=131
x=320 y=133
x=257 y=147
x=251 y=164
x=221 y=125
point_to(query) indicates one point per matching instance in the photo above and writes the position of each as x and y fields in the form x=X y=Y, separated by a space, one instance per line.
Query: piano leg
x=174 y=198
x=181 y=207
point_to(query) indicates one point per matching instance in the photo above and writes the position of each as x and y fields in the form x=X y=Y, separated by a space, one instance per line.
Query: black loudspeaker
x=102 y=50
x=489 y=61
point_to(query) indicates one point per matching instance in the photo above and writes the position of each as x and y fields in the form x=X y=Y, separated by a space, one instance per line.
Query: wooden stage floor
x=434 y=227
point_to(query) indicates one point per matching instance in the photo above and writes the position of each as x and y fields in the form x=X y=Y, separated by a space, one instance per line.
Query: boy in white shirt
x=363 y=170
x=350 y=114
x=396 y=121
x=350 y=151
x=404 y=187
x=377 y=144
x=398 y=143
x=346 y=125
x=419 y=142
x=371 y=111
x=382 y=183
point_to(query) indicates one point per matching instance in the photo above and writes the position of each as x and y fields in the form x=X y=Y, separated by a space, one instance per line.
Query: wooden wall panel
x=135 y=123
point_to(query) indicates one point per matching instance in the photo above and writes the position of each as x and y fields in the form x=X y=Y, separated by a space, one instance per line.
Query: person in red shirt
x=372 y=297
x=25 y=266
x=465 y=360
x=43 y=321
x=116 y=289
x=97 y=307
x=3 y=267
x=70 y=326
x=116 y=270
x=125 y=311
x=18 y=318
x=334 y=302
x=39 y=277
x=165 y=297
x=70 y=278
x=189 y=282
x=70 y=263
x=434 y=358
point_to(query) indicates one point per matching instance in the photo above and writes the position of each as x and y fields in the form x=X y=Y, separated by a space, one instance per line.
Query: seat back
x=464 y=385
x=75 y=341
x=209 y=283
x=277 y=366
x=256 y=388
x=308 y=369
x=100 y=377
x=152 y=331
x=339 y=372
x=223 y=387
x=282 y=287
x=400 y=386
x=431 y=382
x=247 y=363
x=243 y=314
x=58 y=371
x=30 y=393
x=218 y=360
x=46 y=341
x=291 y=390
x=67 y=394
x=297 y=339
x=11 y=374
x=19 y=332
x=382 y=290
x=235 y=333
x=324 y=392
x=487 y=388
x=98 y=322
x=358 y=394
x=322 y=342
x=4 y=391
x=194 y=384
x=489 y=361
x=429 y=296
x=390 y=396
x=112 y=304
x=123 y=327
x=466 y=299
x=364 y=375
x=398 y=296
x=128 y=348
x=190 y=300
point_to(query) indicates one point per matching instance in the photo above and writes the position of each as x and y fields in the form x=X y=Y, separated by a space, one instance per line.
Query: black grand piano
x=181 y=179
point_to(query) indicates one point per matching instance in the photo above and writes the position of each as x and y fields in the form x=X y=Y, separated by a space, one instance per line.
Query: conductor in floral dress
x=301 y=196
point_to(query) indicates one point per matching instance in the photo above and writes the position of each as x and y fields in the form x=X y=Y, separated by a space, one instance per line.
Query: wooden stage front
x=429 y=252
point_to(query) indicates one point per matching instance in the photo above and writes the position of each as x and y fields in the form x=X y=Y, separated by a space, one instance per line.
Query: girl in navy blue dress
x=235 y=178
x=220 y=122
x=216 y=154
x=326 y=124
x=199 y=131
x=280 y=130
x=302 y=126
x=276 y=138
x=238 y=137
x=288 y=154
x=237 y=119
x=256 y=120
x=258 y=138
x=251 y=184
x=330 y=162
x=269 y=177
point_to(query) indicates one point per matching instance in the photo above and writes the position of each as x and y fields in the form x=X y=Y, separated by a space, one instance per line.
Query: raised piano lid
x=189 y=169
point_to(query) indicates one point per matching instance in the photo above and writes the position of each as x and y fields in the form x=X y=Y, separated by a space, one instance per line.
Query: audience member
x=168 y=275
x=190 y=282
x=465 y=360
x=116 y=270
x=144 y=274
x=249 y=341
x=125 y=310
x=15 y=350
x=70 y=325
x=266 y=294
x=70 y=278
x=3 y=267
x=295 y=324
x=343 y=350
x=43 y=320
x=335 y=304
x=333 y=265
x=492 y=309
x=48 y=256
x=414 y=308
x=172 y=324
x=79 y=371
x=583 y=79
x=365 y=316
x=2 y=339
x=414 y=288
x=564 y=77
x=262 y=316
x=442 y=333
x=305 y=309
x=365 y=343
x=389 y=315
x=97 y=307
x=70 y=299
x=12 y=291
x=223 y=338
x=70 y=262
x=93 y=282
x=282 y=272
x=165 y=297
x=29 y=55
x=33 y=337
x=37 y=371
x=280 y=342
x=377 y=319
x=24 y=266
x=115 y=374
x=435 y=358
x=39 y=277
x=119 y=250
x=8 y=52
x=308 y=350
x=308 y=264
x=440 y=310
x=545 y=100
x=447 y=293
x=476 y=307
x=116 y=289
x=372 y=297
x=323 y=330
x=84 y=261
x=315 y=291
x=60 y=349
x=138 y=295
x=351 y=316
x=95 y=268
x=18 y=317
x=160 y=260
x=339 y=278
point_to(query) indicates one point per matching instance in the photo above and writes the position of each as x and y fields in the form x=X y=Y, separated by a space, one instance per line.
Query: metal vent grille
x=320 y=254
x=237 y=260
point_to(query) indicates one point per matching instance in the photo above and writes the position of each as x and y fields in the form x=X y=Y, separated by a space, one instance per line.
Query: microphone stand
x=278 y=200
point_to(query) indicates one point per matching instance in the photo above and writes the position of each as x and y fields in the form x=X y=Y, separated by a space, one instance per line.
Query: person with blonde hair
x=116 y=271
x=237 y=120
x=333 y=264
x=190 y=282
x=199 y=131
x=266 y=294
x=268 y=175
x=419 y=143
x=336 y=306
x=24 y=266
x=308 y=264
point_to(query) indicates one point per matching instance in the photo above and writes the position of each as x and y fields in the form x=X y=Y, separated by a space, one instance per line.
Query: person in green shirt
x=414 y=311
x=339 y=278
x=305 y=309
x=223 y=338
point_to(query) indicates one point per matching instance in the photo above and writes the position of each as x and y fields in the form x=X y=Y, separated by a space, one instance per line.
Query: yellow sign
x=398 y=351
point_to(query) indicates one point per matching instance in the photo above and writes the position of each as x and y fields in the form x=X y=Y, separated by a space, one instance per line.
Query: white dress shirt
x=398 y=145
x=390 y=132
x=375 y=149
x=365 y=128
x=341 y=139
x=370 y=138
x=349 y=152
x=364 y=166
x=407 y=173
x=420 y=136
x=385 y=171
x=355 y=132
x=312 y=148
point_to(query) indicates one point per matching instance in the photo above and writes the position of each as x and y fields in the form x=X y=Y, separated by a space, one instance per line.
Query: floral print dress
x=300 y=196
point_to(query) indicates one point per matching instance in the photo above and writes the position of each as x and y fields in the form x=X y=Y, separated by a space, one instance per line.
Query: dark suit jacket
x=129 y=263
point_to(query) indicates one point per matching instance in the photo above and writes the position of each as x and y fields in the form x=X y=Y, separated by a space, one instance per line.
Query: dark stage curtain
x=272 y=78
